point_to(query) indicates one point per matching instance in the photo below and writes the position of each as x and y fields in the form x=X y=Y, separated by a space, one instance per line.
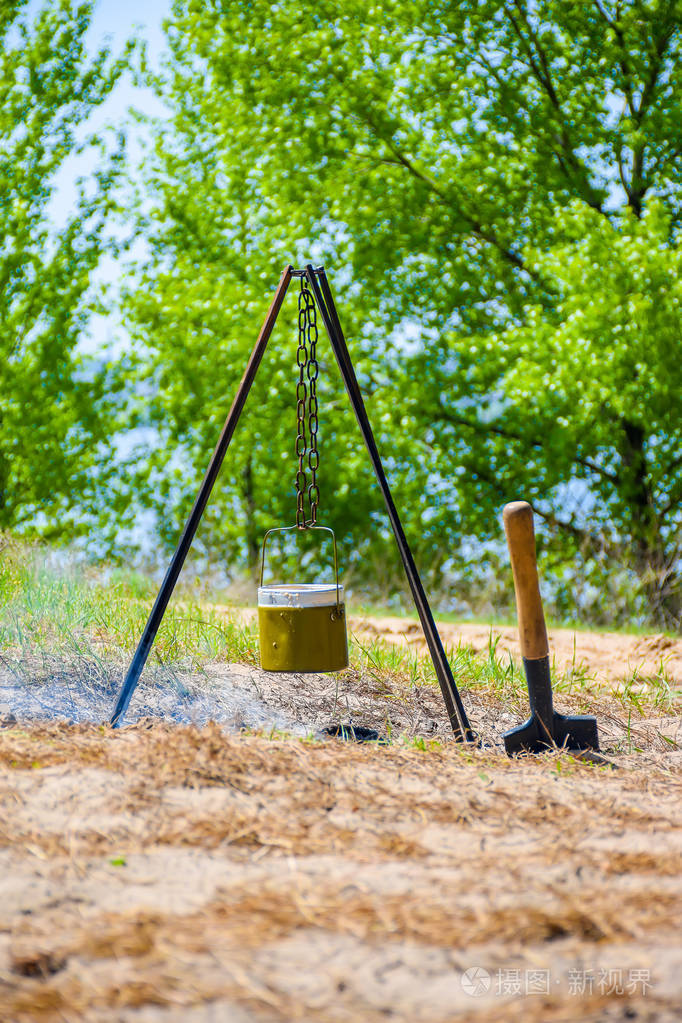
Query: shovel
x=545 y=728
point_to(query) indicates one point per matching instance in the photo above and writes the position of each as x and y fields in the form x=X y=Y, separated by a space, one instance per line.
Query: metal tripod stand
x=319 y=285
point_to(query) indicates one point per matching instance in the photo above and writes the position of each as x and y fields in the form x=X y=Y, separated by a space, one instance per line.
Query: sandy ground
x=168 y=874
x=173 y=873
x=610 y=655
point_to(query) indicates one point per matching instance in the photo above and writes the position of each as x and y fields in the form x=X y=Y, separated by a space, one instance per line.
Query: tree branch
x=675 y=495
x=476 y=227
x=584 y=536
x=621 y=172
x=539 y=65
x=668 y=507
x=485 y=234
x=660 y=46
x=622 y=60
x=638 y=185
x=507 y=434
x=673 y=465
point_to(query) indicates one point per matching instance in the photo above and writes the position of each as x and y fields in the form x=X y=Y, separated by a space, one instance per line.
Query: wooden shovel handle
x=518 y=526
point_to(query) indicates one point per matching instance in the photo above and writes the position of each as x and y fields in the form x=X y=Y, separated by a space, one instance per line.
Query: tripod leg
x=453 y=701
x=168 y=585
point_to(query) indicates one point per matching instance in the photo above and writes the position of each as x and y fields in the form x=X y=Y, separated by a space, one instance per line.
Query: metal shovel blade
x=574 y=732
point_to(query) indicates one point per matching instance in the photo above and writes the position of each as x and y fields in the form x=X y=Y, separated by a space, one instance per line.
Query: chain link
x=306 y=405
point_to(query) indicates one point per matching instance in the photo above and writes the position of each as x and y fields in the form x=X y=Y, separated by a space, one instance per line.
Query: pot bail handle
x=288 y=529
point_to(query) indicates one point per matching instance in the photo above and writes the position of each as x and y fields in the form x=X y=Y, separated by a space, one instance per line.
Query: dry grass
x=166 y=868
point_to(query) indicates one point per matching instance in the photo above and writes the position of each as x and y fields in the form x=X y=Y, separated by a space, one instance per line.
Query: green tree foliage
x=51 y=427
x=502 y=180
x=215 y=245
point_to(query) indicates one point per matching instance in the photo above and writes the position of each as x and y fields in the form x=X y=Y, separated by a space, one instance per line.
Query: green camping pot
x=302 y=626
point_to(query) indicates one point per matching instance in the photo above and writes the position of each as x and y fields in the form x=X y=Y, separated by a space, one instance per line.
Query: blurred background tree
x=54 y=422
x=495 y=190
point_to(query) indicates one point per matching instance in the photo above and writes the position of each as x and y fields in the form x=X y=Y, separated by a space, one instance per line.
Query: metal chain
x=306 y=405
x=313 y=373
x=301 y=395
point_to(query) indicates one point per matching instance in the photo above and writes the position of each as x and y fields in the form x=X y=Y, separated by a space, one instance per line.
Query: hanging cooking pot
x=302 y=626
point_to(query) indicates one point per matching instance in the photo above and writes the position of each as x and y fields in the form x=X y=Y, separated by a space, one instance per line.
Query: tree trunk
x=652 y=561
